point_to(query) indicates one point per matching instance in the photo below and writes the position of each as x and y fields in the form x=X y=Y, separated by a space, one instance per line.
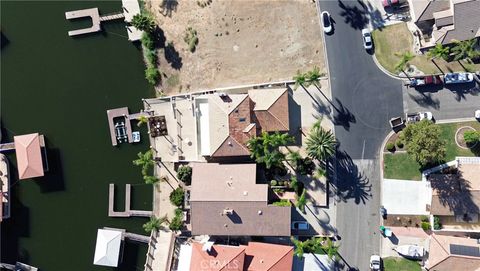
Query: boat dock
x=123 y=113
x=128 y=212
x=130 y=8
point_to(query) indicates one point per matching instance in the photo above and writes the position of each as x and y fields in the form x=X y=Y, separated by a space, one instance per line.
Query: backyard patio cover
x=107 y=249
x=29 y=156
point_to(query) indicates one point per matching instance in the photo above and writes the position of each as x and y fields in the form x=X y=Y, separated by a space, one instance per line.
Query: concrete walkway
x=406 y=197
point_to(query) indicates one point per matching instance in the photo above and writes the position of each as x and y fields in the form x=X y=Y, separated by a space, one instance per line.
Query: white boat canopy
x=107 y=249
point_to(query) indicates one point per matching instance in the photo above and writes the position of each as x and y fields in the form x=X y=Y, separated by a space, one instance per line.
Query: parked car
x=367 y=39
x=300 y=225
x=477 y=114
x=326 y=22
x=458 y=77
x=411 y=251
x=383 y=212
x=425 y=80
x=415 y=117
x=390 y=3
x=375 y=262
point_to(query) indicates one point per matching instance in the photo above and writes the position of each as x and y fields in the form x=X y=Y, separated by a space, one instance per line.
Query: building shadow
x=294 y=119
x=350 y=183
x=54 y=179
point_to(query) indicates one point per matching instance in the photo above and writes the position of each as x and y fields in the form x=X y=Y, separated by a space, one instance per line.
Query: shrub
x=176 y=197
x=152 y=75
x=184 y=174
x=279 y=191
x=305 y=166
x=425 y=226
x=147 y=41
x=151 y=56
x=191 y=38
x=399 y=143
x=283 y=202
x=177 y=223
x=424 y=218
x=436 y=223
x=390 y=147
x=293 y=182
x=471 y=137
x=281 y=183
x=273 y=183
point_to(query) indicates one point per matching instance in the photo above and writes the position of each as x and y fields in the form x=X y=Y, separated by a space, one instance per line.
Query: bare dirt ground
x=239 y=42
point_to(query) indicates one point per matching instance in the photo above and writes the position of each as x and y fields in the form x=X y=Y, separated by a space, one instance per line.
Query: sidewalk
x=161 y=195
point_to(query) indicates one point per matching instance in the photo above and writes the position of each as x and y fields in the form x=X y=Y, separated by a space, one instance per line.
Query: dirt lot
x=239 y=42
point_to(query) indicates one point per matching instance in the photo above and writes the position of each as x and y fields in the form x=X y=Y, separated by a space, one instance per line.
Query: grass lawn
x=402 y=166
x=400 y=264
x=398 y=39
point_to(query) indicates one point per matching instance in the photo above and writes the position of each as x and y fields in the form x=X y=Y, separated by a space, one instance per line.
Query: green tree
x=424 y=142
x=265 y=149
x=145 y=160
x=300 y=80
x=299 y=247
x=294 y=157
x=330 y=248
x=320 y=144
x=150 y=179
x=405 y=59
x=176 y=197
x=147 y=41
x=144 y=22
x=154 y=224
x=184 y=174
x=152 y=74
x=177 y=221
x=141 y=120
x=465 y=50
x=471 y=137
x=439 y=51
x=313 y=76
x=301 y=202
x=319 y=173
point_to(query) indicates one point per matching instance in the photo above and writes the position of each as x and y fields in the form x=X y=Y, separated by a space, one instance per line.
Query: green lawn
x=402 y=166
x=397 y=38
x=400 y=264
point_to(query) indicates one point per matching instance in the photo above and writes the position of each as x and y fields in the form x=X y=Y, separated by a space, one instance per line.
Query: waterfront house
x=226 y=200
x=108 y=247
x=29 y=155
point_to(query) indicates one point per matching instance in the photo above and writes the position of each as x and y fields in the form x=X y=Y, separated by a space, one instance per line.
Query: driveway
x=406 y=197
x=458 y=101
x=404 y=236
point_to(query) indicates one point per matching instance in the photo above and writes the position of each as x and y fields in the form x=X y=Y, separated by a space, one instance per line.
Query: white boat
x=410 y=251
x=136 y=136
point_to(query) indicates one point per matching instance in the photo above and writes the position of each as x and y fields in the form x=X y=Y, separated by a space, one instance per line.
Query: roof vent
x=229 y=183
x=230 y=143
x=261 y=261
x=245 y=193
x=225 y=225
x=259 y=212
x=228 y=211
x=207 y=246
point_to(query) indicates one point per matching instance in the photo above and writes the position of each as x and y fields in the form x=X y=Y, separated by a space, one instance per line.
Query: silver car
x=326 y=22
x=367 y=39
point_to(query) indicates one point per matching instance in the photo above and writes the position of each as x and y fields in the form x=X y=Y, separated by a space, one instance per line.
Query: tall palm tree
x=145 y=160
x=465 y=50
x=406 y=57
x=313 y=76
x=439 y=51
x=302 y=201
x=150 y=179
x=154 y=223
x=272 y=158
x=330 y=248
x=320 y=144
x=255 y=145
x=300 y=80
x=141 y=120
x=299 y=247
x=278 y=139
x=144 y=22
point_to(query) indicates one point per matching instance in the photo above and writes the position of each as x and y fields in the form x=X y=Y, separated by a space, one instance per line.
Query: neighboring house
x=225 y=122
x=456 y=196
x=453 y=253
x=225 y=200
x=313 y=262
x=253 y=257
x=446 y=20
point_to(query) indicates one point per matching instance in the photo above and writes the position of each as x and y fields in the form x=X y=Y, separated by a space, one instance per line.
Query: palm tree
x=141 y=120
x=154 y=223
x=150 y=179
x=144 y=22
x=320 y=144
x=272 y=158
x=313 y=76
x=145 y=160
x=300 y=80
x=277 y=139
x=255 y=145
x=330 y=248
x=404 y=61
x=439 y=51
x=465 y=50
x=299 y=247
x=302 y=201
x=294 y=157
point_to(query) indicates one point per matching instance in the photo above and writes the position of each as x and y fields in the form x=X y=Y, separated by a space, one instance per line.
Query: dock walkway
x=112 y=16
x=89 y=12
x=128 y=212
x=115 y=113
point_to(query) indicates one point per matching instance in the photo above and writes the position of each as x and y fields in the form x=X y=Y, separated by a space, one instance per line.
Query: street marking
x=363 y=149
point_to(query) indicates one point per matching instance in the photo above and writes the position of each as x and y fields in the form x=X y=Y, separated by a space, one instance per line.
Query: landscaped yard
x=402 y=166
x=400 y=264
x=397 y=38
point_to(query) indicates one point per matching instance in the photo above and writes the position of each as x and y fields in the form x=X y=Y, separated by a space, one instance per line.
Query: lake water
x=61 y=87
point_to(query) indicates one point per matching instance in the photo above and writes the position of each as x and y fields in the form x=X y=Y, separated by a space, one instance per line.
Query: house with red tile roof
x=225 y=122
x=253 y=257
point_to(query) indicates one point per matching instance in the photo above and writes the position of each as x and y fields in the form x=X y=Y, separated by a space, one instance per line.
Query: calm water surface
x=61 y=87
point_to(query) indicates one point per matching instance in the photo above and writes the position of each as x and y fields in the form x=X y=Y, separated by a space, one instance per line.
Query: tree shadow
x=173 y=57
x=343 y=116
x=3 y=40
x=167 y=7
x=355 y=17
x=425 y=100
x=350 y=182
x=54 y=179
x=453 y=192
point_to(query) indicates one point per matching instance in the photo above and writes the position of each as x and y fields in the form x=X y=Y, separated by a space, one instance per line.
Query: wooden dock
x=128 y=212
x=137 y=237
x=115 y=113
x=112 y=16
x=90 y=12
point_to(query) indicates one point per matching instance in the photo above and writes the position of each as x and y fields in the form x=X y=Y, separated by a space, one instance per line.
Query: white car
x=458 y=77
x=326 y=22
x=300 y=225
x=367 y=39
x=477 y=114
x=426 y=115
x=375 y=262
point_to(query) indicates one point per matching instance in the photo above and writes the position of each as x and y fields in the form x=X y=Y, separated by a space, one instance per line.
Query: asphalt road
x=450 y=102
x=363 y=101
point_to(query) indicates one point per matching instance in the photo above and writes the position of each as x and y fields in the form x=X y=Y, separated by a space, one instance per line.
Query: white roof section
x=184 y=258
x=107 y=249
x=312 y=262
x=403 y=197
x=265 y=98
x=204 y=125
x=130 y=9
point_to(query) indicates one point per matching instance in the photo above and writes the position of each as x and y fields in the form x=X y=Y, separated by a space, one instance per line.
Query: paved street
x=364 y=99
x=457 y=101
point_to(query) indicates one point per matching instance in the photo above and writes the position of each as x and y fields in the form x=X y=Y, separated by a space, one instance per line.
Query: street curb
x=381 y=68
x=455 y=120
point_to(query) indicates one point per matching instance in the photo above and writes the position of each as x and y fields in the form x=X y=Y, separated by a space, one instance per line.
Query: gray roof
x=466 y=21
x=424 y=10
